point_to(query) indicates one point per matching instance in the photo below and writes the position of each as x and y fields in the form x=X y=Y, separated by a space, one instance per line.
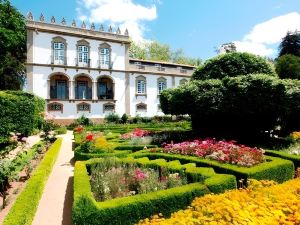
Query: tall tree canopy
x=290 y=44
x=160 y=52
x=13 y=47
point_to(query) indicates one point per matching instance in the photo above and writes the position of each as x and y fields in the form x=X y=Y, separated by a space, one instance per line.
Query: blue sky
x=196 y=26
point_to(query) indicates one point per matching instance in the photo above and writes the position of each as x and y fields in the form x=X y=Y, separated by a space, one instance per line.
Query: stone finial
x=30 y=16
x=92 y=26
x=73 y=23
x=101 y=28
x=126 y=32
x=118 y=31
x=110 y=29
x=52 y=19
x=42 y=18
x=63 y=21
x=83 y=25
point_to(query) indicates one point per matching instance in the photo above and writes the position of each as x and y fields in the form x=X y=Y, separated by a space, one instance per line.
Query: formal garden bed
x=87 y=210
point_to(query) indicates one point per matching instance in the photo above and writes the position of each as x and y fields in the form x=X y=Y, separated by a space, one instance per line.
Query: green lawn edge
x=25 y=206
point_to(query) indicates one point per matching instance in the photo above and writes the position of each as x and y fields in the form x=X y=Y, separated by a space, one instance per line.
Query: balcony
x=104 y=66
x=83 y=64
x=59 y=92
x=83 y=93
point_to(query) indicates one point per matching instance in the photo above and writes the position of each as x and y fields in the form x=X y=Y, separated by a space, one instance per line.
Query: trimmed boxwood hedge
x=129 y=210
x=294 y=158
x=134 y=148
x=20 y=112
x=25 y=206
x=80 y=156
x=276 y=169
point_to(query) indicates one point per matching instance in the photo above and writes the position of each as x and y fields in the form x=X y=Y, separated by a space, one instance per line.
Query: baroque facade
x=84 y=71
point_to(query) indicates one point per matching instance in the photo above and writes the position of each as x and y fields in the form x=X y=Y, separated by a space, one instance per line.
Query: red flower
x=89 y=137
x=79 y=129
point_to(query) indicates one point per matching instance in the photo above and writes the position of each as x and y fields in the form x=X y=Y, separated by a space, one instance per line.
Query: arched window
x=59 y=51
x=141 y=85
x=83 y=53
x=161 y=84
x=182 y=81
x=105 y=56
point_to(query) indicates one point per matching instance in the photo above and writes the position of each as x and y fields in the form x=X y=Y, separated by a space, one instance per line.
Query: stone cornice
x=76 y=32
x=131 y=71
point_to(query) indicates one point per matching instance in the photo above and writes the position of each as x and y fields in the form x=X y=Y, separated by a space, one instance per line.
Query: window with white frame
x=83 y=54
x=104 y=57
x=161 y=84
x=141 y=85
x=59 y=52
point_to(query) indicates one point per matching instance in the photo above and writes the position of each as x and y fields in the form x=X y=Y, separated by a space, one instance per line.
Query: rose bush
x=222 y=151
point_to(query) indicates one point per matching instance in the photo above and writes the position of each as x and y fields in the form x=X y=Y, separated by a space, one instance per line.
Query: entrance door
x=61 y=89
x=82 y=89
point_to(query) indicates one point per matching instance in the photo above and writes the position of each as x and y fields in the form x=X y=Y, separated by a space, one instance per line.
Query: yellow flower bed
x=296 y=135
x=262 y=203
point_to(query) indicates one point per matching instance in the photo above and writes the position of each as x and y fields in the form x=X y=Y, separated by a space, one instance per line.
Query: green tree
x=232 y=65
x=13 y=47
x=290 y=44
x=160 y=52
x=288 y=66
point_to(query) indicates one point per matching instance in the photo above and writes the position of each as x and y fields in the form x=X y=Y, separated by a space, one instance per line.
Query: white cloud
x=270 y=32
x=123 y=13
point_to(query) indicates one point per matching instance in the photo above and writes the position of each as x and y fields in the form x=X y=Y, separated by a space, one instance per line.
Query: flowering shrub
x=222 y=151
x=109 y=180
x=135 y=133
x=79 y=129
x=263 y=203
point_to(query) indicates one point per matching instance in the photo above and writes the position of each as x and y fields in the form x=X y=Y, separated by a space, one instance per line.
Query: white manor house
x=84 y=71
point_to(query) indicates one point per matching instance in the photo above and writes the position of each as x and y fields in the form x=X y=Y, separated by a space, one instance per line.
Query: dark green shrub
x=124 y=118
x=83 y=121
x=288 y=66
x=20 y=112
x=112 y=118
x=241 y=108
x=232 y=65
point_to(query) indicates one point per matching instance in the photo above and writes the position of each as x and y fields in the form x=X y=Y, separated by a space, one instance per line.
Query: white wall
x=42 y=50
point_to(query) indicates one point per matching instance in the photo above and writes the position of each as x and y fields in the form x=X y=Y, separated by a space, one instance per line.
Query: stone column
x=48 y=89
x=71 y=89
x=173 y=81
x=94 y=90
x=127 y=93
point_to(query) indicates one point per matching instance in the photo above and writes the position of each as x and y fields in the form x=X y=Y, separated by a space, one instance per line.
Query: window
x=141 y=85
x=182 y=81
x=55 y=106
x=83 y=55
x=141 y=107
x=104 y=58
x=109 y=107
x=59 y=51
x=161 y=84
x=83 y=107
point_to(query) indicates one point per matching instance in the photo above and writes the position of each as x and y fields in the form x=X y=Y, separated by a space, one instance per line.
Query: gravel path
x=55 y=206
